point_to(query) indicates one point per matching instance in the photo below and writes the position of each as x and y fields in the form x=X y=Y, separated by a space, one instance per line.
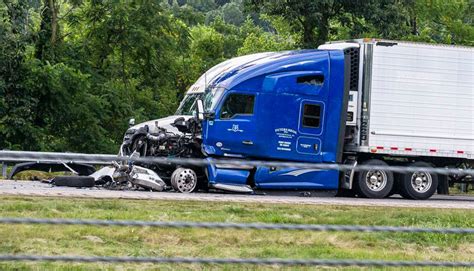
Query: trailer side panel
x=422 y=100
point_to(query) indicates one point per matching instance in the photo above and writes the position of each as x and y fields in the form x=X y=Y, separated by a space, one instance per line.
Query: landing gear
x=184 y=180
x=374 y=183
x=418 y=184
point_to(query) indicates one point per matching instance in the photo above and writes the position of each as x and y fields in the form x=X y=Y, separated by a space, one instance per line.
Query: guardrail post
x=4 y=170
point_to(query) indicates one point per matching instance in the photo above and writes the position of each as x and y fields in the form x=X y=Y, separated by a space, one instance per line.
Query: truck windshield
x=188 y=104
x=209 y=98
x=212 y=98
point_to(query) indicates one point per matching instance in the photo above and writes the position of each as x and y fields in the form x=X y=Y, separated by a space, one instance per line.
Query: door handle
x=247 y=142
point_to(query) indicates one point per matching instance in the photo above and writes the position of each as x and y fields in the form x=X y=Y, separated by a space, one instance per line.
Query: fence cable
x=226 y=225
x=253 y=261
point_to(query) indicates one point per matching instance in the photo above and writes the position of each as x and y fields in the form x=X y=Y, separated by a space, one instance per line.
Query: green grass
x=38 y=175
x=456 y=190
x=136 y=241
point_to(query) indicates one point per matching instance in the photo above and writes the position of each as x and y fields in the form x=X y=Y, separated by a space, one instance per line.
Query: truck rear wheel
x=374 y=183
x=418 y=184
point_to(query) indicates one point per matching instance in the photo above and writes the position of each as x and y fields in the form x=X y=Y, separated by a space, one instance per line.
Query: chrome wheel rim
x=186 y=181
x=421 y=181
x=376 y=180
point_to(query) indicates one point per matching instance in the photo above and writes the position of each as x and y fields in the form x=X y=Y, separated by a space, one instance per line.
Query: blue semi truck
x=369 y=102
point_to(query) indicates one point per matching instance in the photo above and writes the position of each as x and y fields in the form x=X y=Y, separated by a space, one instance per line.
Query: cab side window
x=237 y=104
x=311 y=115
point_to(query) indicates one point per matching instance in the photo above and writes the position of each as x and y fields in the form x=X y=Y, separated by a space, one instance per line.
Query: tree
x=207 y=46
x=17 y=129
x=450 y=22
x=202 y=5
x=72 y=72
x=310 y=18
x=315 y=20
x=264 y=42
x=188 y=14
x=49 y=33
x=232 y=14
x=132 y=50
x=258 y=40
x=213 y=15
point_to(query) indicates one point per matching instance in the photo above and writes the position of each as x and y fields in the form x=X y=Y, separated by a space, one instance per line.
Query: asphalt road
x=34 y=188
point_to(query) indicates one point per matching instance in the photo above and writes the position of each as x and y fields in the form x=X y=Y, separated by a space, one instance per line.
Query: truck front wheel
x=418 y=184
x=374 y=183
x=184 y=180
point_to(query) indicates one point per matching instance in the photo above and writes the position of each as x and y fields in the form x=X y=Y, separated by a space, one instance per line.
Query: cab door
x=233 y=130
x=310 y=131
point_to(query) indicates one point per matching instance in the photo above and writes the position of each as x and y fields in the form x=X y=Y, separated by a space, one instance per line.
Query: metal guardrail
x=31 y=156
x=14 y=157
x=253 y=261
x=100 y=159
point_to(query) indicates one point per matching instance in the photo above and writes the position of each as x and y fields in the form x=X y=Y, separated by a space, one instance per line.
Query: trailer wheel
x=184 y=180
x=374 y=183
x=418 y=184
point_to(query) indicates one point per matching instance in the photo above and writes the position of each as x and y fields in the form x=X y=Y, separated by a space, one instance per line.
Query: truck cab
x=282 y=106
x=289 y=106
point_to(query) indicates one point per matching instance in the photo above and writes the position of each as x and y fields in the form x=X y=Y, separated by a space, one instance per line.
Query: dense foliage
x=72 y=72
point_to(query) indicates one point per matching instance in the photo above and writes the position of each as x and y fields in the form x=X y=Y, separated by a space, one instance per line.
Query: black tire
x=396 y=183
x=408 y=191
x=74 y=181
x=346 y=193
x=386 y=184
x=443 y=185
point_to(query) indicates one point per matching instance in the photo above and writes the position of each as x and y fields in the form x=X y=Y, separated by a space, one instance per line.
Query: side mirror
x=200 y=109
x=131 y=122
x=210 y=115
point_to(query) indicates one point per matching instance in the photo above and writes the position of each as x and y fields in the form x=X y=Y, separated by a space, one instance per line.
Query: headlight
x=128 y=134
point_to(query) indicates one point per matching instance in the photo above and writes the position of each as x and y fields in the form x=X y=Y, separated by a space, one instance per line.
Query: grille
x=353 y=53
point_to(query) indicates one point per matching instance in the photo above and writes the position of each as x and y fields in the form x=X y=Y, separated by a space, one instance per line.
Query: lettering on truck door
x=232 y=132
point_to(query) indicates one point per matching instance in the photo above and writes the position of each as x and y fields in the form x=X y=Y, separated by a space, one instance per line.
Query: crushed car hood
x=163 y=123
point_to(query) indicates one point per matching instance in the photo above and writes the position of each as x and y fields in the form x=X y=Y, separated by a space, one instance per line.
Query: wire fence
x=13 y=156
x=252 y=261
x=241 y=226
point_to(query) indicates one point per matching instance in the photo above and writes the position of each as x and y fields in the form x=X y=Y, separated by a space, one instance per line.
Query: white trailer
x=410 y=103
